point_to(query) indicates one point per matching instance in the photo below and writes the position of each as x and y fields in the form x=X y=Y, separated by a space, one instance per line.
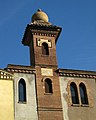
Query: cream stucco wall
x=6 y=100
x=78 y=112
x=64 y=93
x=28 y=110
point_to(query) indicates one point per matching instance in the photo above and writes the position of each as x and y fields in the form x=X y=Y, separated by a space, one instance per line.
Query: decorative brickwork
x=78 y=74
x=20 y=69
x=77 y=82
x=5 y=75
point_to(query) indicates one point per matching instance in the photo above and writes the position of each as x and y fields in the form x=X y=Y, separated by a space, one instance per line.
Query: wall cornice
x=77 y=73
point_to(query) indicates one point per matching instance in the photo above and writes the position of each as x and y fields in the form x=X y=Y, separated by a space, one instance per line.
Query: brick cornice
x=20 y=69
x=77 y=73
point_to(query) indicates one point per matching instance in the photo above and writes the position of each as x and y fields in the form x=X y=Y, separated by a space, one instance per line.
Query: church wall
x=78 y=112
x=28 y=109
x=6 y=100
x=64 y=94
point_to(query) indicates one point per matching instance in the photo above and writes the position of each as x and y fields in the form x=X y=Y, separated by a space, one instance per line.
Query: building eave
x=77 y=73
x=32 y=27
x=20 y=69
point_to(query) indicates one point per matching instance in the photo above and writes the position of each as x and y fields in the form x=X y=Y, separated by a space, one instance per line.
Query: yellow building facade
x=6 y=96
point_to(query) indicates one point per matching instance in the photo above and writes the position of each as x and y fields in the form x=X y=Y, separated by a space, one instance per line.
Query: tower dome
x=40 y=15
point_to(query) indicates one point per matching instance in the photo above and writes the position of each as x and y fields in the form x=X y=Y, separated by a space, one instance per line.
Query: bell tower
x=41 y=37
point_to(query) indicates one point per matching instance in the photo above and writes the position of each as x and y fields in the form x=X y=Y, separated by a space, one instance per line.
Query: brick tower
x=41 y=37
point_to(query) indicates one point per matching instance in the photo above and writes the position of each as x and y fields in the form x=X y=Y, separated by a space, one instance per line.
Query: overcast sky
x=76 y=46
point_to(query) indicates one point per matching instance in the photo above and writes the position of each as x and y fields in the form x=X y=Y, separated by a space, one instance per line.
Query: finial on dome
x=39 y=10
x=40 y=15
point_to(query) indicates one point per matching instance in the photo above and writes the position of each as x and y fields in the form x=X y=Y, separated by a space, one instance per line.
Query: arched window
x=45 y=49
x=22 y=90
x=83 y=94
x=74 y=93
x=48 y=86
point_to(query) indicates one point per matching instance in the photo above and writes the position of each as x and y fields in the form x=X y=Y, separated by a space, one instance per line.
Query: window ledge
x=84 y=105
x=75 y=105
x=45 y=55
x=48 y=93
x=22 y=102
x=78 y=105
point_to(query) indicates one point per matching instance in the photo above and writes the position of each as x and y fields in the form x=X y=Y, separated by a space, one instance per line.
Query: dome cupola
x=40 y=15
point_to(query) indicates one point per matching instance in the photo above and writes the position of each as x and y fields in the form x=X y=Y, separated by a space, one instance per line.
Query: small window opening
x=48 y=86
x=22 y=90
x=74 y=93
x=45 y=49
x=83 y=94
